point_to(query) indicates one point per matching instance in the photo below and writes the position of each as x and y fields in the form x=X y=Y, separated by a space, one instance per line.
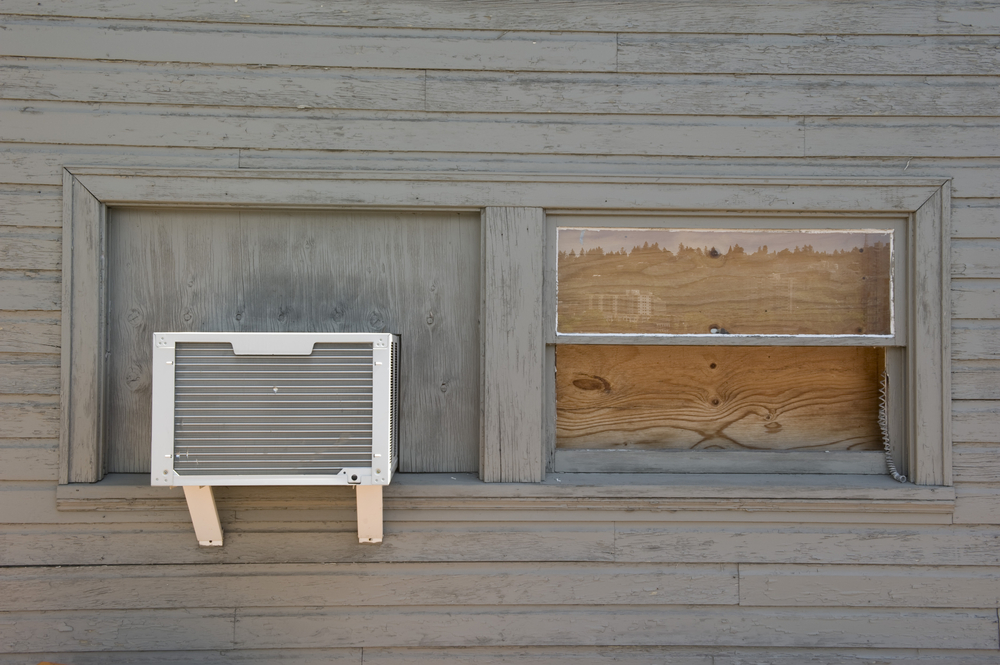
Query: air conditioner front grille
x=272 y=414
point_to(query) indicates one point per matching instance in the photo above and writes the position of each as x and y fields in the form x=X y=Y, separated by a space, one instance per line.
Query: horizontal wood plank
x=107 y=631
x=718 y=95
x=975 y=340
x=316 y=129
x=40 y=79
x=635 y=655
x=41 y=164
x=808 y=54
x=35 y=164
x=869 y=586
x=365 y=585
x=29 y=459
x=180 y=83
x=286 y=656
x=976 y=421
x=337 y=627
x=916 y=137
x=975 y=298
x=108 y=544
x=30 y=332
x=976 y=463
x=971 y=379
x=808 y=545
x=89 y=39
x=38 y=206
x=30 y=290
x=913 y=17
x=975 y=218
x=30 y=248
x=977 y=505
x=29 y=416
x=634 y=625
x=974 y=177
x=33 y=374
x=975 y=258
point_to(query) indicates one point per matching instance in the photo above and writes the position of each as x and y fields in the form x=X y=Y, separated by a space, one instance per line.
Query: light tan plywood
x=731 y=398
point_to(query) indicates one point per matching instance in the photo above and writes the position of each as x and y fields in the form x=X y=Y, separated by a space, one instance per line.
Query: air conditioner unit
x=275 y=409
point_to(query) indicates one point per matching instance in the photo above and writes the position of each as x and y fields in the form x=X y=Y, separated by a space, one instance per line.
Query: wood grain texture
x=971 y=379
x=30 y=290
x=318 y=129
x=413 y=275
x=307 y=46
x=975 y=298
x=481 y=626
x=732 y=398
x=385 y=585
x=869 y=586
x=917 y=137
x=174 y=543
x=972 y=177
x=513 y=348
x=43 y=79
x=975 y=218
x=720 y=94
x=33 y=374
x=809 y=545
x=29 y=416
x=928 y=425
x=975 y=340
x=30 y=332
x=634 y=625
x=184 y=657
x=977 y=505
x=976 y=421
x=976 y=463
x=975 y=258
x=38 y=164
x=211 y=85
x=808 y=54
x=30 y=248
x=29 y=459
x=84 y=335
x=913 y=17
x=38 y=206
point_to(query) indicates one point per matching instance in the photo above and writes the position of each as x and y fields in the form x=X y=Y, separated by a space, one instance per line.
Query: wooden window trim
x=512 y=438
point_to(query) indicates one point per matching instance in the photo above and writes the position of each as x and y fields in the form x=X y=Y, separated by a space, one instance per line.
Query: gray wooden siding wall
x=790 y=88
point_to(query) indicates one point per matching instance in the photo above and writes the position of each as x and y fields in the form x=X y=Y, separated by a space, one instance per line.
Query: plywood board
x=412 y=275
x=728 y=398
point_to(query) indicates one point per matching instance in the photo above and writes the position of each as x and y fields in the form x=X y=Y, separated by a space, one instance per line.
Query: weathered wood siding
x=785 y=89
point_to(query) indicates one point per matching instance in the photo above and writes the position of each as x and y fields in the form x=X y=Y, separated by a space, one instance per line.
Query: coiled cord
x=883 y=425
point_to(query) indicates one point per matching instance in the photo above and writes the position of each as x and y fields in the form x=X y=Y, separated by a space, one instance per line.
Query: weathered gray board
x=822 y=89
x=412 y=275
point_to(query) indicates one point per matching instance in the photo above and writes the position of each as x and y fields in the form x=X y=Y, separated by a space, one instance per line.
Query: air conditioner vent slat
x=272 y=414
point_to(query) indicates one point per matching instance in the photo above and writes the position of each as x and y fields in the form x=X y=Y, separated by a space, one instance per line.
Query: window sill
x=858 y=499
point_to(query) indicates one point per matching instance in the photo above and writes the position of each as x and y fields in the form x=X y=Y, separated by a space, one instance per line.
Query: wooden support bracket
x=369 y=513
x=204 y=515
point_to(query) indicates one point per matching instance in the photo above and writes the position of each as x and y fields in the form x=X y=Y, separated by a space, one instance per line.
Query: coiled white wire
x=883 y=425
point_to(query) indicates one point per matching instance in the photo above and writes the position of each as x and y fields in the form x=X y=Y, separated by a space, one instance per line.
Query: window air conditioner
x=275 y=409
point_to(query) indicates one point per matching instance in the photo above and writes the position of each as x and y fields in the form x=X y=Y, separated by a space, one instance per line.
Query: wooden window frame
x=515 y=417
x=714 y=461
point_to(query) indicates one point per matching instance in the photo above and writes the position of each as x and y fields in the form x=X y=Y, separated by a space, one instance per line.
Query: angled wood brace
x=208 y=528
